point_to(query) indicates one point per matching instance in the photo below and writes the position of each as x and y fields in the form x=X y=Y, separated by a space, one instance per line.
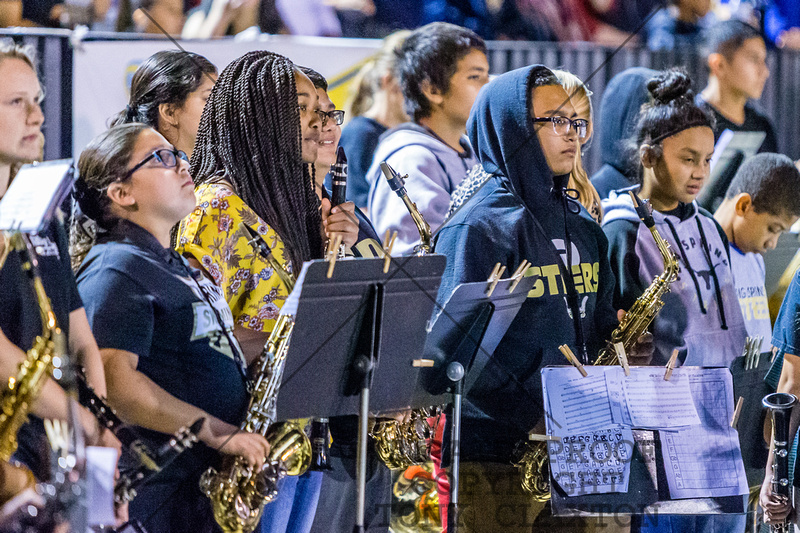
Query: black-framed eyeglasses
x=562 y=125
x=167 y=157
x=337 y=115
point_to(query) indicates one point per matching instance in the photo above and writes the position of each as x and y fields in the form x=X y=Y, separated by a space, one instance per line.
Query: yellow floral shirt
x=211 y=235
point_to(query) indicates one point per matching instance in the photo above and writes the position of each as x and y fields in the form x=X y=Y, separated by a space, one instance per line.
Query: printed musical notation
x=594 y=417
x=715 y=468
x=654 y=403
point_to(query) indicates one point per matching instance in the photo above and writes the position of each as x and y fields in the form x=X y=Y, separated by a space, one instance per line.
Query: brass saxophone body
x=533 y=462
x=46 y=353
x=238 y=493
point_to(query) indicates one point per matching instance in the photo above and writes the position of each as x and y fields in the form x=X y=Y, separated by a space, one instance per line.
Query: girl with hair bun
x=701 y=316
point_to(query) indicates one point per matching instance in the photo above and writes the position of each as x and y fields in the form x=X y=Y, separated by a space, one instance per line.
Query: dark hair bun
x=670 y=85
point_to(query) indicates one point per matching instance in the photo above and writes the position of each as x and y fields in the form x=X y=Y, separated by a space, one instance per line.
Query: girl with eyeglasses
x=165 y=332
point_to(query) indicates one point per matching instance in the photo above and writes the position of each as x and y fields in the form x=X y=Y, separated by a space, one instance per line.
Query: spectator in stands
x=440 y=67
x=555 y=20
x=378 y=18
x=737 y=64
x=168 y=92
x=619 y=112
x=737 y=74
x=217 y=18
x=782 y=23
x=309 y=17
x=682 y=24
x=375 y=105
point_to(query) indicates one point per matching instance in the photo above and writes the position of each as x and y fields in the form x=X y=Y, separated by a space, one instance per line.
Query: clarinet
x=185 y=438
x=150 y=463
x=780 y=405
x=339 y=186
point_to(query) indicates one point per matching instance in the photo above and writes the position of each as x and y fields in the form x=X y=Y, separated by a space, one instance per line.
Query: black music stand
x=355 y=339
x=461 y=341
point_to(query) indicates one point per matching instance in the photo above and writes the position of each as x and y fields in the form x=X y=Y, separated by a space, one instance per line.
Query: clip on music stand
x=461 y=341
x=354 y=343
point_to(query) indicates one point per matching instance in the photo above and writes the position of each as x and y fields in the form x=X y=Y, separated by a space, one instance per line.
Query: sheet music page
x=705 y=460
x=657 y=404
x=27 y=200
x=576 y=404
x=593 y=456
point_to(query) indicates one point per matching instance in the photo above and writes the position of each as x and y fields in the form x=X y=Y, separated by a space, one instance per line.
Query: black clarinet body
x=780 y=405
x=339 y=178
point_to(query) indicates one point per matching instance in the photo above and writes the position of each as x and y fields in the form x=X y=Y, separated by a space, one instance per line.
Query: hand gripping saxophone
x=400 y=445
x=780 y=405
x=238 y=493
x=47 y=352
x=533 y=462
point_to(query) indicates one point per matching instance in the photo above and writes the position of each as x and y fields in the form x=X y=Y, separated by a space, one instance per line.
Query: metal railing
x=596 y=65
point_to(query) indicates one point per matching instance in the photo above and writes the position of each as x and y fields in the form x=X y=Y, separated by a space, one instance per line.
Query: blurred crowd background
x=658 y=24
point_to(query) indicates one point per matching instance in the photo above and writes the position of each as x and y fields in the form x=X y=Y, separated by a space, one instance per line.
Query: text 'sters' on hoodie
x=701 y=314
x=619 y=112
x=521 y=212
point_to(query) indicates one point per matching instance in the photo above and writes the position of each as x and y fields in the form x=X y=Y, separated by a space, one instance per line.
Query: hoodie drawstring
x=717 y=288
x=688 y=266
x=572 y=293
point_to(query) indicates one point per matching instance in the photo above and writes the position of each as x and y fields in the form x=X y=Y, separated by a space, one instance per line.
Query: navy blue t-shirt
x=145 y=299
x=21 y=322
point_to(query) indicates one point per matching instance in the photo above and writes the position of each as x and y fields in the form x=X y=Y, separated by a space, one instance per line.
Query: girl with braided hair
x=258 y=131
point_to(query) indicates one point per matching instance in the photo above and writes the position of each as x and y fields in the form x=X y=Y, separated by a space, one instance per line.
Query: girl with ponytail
x=164 y=330
x=168 y=93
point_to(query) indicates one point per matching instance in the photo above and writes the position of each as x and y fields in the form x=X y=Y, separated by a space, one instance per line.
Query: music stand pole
x=455 y=371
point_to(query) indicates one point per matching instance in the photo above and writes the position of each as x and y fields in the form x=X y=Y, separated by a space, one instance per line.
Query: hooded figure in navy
x=619 y=111
x=522 y=211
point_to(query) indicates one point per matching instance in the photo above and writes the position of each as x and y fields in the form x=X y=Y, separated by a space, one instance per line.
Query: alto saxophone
x=47 y=352
x=400 y=445
x=238 y=494
x=533 y=461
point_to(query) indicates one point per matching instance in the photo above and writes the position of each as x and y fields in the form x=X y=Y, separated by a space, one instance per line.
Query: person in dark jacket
x=523 y=212
x=619 y=110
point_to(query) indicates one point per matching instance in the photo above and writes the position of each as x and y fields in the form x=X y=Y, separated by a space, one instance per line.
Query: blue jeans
x=720 y=523
x=294 y=509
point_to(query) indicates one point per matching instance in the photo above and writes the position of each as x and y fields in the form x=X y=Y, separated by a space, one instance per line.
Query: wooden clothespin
x=494 y=279
x=543 y=438
x=332 y=253
x=623 y=357
x=737 y=412
x=671 y=364
x=758 y=351
x=388 y=244
x=422 y=363
x=564 y=349
x=519 y=273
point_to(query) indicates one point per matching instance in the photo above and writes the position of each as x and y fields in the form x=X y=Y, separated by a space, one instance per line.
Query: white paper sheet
x=654 y=403
x=100 y=466
x=31 y=195
x=705 y=460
